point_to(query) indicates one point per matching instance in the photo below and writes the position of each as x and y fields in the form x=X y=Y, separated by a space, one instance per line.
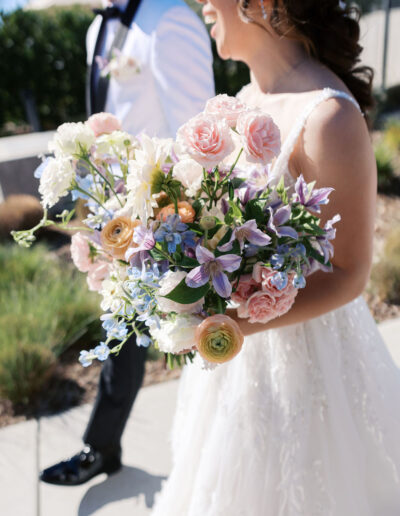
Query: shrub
x=385 y=277
x=392 y=135
x=44 y=306
x=44 y=52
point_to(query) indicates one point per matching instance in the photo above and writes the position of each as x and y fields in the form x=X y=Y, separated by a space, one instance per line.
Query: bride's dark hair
x=329 y=32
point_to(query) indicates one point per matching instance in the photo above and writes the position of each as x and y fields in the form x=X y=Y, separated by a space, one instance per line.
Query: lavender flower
x=276 y=221
x=248 y=231
x=212 y=267
x=310 y=198
x=323 y=242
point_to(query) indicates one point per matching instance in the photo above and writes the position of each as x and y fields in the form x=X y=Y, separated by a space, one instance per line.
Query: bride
x=305 y=420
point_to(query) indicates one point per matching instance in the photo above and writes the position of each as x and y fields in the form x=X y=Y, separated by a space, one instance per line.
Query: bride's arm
x=335 y=151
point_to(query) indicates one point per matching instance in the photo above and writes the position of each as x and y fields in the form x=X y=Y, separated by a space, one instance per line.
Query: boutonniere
x=119 y=67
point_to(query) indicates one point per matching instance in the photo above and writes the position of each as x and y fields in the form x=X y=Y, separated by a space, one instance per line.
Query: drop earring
x=264 y=12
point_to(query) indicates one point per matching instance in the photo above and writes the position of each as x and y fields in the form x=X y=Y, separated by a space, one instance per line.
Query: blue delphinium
x=174 y=232
x=143 y=340
x=280 y=280
x=101 y=351
x=85 y=358
x=115 y=329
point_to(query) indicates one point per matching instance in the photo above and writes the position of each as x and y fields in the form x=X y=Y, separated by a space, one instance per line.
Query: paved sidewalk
x=26 y=448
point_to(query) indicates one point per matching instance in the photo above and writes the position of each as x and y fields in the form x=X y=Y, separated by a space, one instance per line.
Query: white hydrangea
x=149 y=159
x=190 y=174
x=55 y=180
x=114 y=143
x=71 y=138
x=167 y=284
x=177 y=334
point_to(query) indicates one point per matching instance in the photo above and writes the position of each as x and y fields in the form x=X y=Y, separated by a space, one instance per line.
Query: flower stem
x=105 y=179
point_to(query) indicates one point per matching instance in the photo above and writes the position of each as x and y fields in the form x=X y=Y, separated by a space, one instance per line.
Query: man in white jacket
x=150 y=64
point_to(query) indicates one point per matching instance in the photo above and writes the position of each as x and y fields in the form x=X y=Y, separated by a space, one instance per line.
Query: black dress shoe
x=82 y=467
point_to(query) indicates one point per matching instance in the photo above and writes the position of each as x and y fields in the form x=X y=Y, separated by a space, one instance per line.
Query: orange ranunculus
x=116 y=236
x=185 y=211
x=218 y=339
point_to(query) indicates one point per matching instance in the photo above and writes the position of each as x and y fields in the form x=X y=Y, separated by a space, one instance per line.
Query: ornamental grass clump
x=44 y=307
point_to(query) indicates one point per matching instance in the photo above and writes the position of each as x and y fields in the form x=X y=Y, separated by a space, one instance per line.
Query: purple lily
x=212 y=267
x=250 y=232
x=310 y=198
x=276 y=221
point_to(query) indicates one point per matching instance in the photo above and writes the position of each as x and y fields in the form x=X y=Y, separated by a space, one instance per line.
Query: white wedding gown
x=305 y=421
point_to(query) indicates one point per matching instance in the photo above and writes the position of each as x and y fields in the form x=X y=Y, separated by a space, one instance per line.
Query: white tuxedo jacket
x=172 y=47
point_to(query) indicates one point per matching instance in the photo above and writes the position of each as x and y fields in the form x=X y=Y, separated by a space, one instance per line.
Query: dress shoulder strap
x=282 y=163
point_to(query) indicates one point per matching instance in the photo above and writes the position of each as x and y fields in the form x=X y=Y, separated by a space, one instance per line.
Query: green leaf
x=186 y=295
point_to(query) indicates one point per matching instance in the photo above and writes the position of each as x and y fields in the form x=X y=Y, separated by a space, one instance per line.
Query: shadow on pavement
x=128 y=483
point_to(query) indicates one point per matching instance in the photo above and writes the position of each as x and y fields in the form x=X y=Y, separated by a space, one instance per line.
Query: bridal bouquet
x=177 y=230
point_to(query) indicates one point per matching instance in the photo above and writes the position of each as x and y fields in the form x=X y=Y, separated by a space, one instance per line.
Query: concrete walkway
x=28 y=447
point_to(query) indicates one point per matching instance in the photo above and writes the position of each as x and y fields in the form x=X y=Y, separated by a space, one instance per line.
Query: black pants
x=120 y=381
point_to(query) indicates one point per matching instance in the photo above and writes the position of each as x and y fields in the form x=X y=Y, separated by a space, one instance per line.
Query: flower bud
x=207 y=222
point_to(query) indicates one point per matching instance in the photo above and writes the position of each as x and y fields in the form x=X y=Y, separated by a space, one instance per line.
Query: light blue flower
x=280 y=280
x=277 y=261
x=101 y=351
x=299 y=281
x=86 y=183
x=84 y=357
x=143 y=340
x=115 y=329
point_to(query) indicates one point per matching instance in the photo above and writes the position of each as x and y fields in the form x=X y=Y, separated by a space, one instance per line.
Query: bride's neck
x=273 y=62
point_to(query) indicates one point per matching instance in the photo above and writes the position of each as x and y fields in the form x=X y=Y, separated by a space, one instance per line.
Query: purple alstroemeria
x=250 y=232
x=311 y=198
x=258 y=180
x=213 y=268
x=144 y=238
x=276 y=221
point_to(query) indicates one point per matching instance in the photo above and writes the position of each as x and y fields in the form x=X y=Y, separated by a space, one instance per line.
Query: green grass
x=385 y=277
x=44 y=307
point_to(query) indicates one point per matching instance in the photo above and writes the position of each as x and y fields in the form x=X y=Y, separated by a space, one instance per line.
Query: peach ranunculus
x=260 y=136
x=206 y=139
x=80 y=252
x=224 y=106
x=103 y=123
x=185 y=211
x=98 y=272
x=218 y=339
x=116 y=236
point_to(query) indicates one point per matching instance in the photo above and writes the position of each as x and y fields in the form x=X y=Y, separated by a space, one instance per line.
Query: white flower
x=190 y=174
x=112 y=290
x=115 y=143
x=143 y=170
x=71 y=138
x=121 y=66
x=55 y=180
x=176 y=335
x=167 y=284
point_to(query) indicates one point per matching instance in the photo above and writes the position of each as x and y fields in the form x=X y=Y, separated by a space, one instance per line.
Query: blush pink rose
x=96 y=274
x=206 y=139
x=264 y=275
x=246 y=288
x=263 y=306
x=103 y=123
x=226 y=107
x=260 y=135
x=80 y=252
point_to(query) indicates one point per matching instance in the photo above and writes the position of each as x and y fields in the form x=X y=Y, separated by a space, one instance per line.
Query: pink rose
x=206 y=139
x=246 y=288
x=264 y=275
x=263 y=306
x=104 y=123
x=96 y=274
x=260 y=136
x=226 y=107
x=80 y=252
